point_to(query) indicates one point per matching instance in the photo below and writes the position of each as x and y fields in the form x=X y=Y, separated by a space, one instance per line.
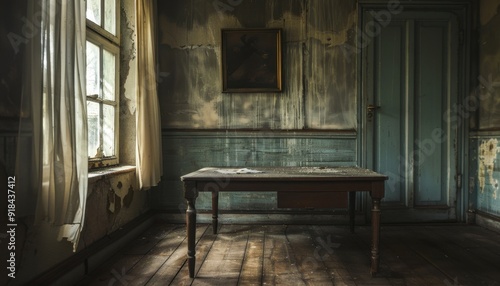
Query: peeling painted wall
x=485 y=167
x=330 y=73
x=319 y=79
x=319 y=92
x=128 y=83
x=112 y=201
x=488 y=151
x=485 y=148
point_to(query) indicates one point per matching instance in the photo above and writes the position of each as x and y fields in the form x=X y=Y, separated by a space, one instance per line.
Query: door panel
x=390 y=117
x=409 y=73
x=430 y=103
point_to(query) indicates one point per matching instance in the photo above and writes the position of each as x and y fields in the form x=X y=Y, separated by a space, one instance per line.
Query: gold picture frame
x=251 y=60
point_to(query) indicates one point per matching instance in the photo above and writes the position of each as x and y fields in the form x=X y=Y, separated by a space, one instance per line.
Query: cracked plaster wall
x=319 y=79
x=319 y=91
x=487 y=175
x=112 y=201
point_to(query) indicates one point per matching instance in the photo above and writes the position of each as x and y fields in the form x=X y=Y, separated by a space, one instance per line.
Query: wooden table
x=296 y=186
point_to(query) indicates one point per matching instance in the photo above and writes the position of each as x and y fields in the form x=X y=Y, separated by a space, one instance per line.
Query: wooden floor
x=307 y=255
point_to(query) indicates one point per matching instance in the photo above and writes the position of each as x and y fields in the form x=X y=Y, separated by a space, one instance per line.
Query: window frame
x=105 y=40
x=98 y=28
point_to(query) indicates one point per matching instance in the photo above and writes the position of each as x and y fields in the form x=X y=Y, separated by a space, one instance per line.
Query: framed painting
x=251 y=60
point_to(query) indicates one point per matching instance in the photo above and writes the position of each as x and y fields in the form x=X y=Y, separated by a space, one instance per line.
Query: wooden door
x=409 y=88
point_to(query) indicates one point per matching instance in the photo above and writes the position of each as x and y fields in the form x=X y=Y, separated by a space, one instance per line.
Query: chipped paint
x=485 y=152
x=127 y=61
x=488 y=151
x=331 y=30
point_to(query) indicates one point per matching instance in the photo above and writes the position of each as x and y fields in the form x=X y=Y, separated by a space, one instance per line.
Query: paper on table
x=239 y=171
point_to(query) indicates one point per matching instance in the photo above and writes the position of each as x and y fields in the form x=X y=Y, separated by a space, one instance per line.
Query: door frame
x=464 y=10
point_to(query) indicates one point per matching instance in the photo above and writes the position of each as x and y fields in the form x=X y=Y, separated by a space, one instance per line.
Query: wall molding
x=488 y=221
x=216 y=133
x=483 y=134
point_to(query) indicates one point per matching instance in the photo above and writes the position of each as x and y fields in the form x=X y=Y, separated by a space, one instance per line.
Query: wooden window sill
x=97 y=174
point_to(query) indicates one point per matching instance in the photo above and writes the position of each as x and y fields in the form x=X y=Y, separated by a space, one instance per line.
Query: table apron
x=292 y=186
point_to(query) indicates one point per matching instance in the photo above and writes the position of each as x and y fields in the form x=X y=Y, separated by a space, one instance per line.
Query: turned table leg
x=190 y=194
x=215 y=211
x=375 y=235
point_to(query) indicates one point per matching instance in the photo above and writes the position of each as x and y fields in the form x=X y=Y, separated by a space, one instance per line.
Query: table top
x=285 y=173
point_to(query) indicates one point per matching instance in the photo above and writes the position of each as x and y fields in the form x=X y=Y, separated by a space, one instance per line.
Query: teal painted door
x=409 y=88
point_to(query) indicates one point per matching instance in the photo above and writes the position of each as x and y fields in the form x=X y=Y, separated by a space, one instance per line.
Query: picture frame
x=251 y=60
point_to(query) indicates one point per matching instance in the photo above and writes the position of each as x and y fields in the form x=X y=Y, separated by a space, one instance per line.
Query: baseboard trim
x=71 y=270
x=488 y=221
x=256 y=217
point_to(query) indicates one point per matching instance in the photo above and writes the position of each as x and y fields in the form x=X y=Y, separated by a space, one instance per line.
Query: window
x=102 y=55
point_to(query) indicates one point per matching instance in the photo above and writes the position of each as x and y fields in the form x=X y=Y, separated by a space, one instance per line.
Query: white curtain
x=148 y=152
x=60 y=129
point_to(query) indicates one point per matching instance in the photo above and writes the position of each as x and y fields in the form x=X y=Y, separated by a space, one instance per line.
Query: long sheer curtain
x=60 y=129
x=149 y=153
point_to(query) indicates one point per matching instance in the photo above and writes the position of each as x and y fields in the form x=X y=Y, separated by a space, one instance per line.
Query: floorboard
x=253 y=262
x=174 y=262
x=306 y=255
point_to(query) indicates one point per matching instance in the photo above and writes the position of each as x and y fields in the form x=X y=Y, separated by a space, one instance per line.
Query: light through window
x=102 y=56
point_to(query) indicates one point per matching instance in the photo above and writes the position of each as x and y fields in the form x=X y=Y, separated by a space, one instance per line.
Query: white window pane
x=108 y=130
x=94 y=11
x=93 y=69
x=93 y=118
x=110 y=16
x=109 y=76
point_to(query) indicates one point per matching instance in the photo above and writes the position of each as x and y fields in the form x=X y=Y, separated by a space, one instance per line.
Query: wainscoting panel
x=185 y=152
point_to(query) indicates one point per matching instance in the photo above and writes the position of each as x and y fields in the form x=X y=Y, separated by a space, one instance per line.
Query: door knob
x=369 y=111
x=370 y=108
